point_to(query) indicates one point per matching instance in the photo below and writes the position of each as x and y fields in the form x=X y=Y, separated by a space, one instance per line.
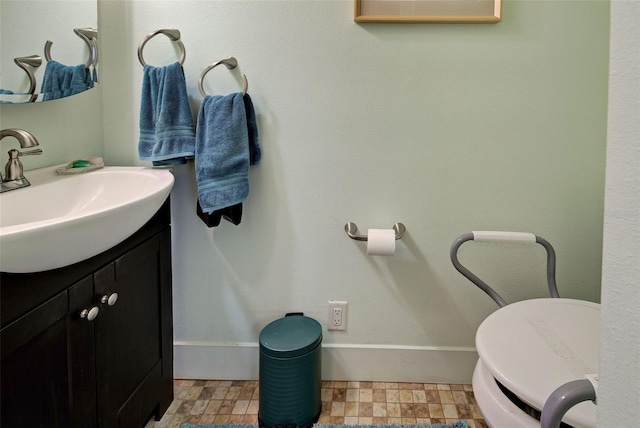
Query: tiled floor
x=221 y=402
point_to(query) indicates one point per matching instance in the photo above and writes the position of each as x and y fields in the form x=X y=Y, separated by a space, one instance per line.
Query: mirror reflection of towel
x=226 y=144
x=166 y=123
x=61 y=80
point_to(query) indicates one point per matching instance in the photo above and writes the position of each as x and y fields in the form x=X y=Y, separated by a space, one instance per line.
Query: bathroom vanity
x=90 y=345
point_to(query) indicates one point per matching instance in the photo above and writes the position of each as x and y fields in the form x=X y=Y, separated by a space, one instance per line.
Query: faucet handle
x=30 y=152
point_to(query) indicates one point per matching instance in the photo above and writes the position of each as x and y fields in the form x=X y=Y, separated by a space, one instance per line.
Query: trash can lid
x=290 y=336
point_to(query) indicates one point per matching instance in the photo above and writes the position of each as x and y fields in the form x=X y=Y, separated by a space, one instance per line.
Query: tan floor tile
x=213 y=407
x=433 y=396
x=406 y=396
x=337 y=408
x=254 y=406
x=419 y=396
x=393 y=396
x=379 y=410
x=435 y=410
x=353 y=394
x=393 y=410
x=193 y=393
x=207 y=419
x=351 y=408
x=459 y=397
x=450 y=411
x=326 y=394
x=220 y=392
x=366 y=395
x=446 y=397
x=199 y=407
x=240 y=408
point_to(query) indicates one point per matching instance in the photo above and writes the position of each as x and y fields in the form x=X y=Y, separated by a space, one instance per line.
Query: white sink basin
x=64 y=219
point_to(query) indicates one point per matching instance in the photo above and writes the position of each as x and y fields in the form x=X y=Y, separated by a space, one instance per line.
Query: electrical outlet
x=337 y=315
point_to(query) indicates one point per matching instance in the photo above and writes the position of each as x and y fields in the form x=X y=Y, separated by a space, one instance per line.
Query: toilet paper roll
x=381 y=242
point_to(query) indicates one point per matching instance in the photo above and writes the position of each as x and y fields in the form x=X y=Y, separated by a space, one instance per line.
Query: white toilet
x=530 y=348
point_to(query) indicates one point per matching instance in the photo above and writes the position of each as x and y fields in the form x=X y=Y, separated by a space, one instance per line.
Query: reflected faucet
x=14 y=175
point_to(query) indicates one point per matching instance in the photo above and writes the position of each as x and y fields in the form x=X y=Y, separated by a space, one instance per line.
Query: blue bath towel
x=63 y=80
x=224 y=143
x=166 y=124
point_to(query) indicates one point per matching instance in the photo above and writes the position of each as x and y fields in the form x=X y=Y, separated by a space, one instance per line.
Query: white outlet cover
x=337 y=304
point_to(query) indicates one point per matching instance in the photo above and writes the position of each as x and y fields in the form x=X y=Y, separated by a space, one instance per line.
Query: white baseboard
x=239 y=361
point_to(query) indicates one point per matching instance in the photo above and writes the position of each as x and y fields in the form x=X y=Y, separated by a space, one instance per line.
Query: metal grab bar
x=230 y=63
x=563 y=398
x=352 y=229
x=503 y=237
x=171 y=33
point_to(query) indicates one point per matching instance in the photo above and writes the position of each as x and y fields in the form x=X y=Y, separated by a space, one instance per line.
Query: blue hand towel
x=63 y=80
x=223 y=151
x=166 y=124
x=252 y=127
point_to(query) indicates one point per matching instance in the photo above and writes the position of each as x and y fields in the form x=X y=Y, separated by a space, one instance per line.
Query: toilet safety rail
x=564 y=398
x=506 y=237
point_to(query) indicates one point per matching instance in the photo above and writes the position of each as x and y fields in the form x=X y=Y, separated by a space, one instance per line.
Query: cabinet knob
x=90 y=314
x=110 y=300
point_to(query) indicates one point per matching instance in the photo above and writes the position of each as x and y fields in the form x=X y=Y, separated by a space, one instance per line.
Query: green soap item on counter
x=79 y=164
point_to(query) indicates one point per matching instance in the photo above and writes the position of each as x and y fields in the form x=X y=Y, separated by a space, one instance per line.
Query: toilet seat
x=534 y=346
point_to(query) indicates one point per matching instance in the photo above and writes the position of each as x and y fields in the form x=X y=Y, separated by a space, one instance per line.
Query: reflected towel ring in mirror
x=230 y=63
x=33 y=61
x=172 y=33
x=84 y=34
x=90 y=37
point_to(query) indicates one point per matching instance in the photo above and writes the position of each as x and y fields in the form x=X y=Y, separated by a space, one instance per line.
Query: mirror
x=68 y=64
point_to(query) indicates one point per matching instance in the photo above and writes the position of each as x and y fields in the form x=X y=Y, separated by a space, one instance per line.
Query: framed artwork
x=416 y=11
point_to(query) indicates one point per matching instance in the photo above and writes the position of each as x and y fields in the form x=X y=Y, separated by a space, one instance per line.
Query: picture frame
x=428 y=11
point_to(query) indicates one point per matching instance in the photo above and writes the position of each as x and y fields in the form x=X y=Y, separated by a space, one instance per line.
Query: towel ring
x=86 y=34
x=33 y=61
x=90 y=37
x=172 y=33
x=230 y=63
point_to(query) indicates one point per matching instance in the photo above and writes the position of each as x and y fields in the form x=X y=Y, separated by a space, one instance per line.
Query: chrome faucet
x=14 y=175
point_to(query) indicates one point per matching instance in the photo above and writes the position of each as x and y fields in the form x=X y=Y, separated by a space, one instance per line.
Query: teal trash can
x=290 y=370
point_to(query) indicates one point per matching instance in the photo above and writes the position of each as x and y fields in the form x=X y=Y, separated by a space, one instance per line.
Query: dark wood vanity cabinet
x=61 y=367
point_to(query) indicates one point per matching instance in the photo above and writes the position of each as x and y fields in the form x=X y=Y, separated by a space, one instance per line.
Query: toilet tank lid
x=291 y=336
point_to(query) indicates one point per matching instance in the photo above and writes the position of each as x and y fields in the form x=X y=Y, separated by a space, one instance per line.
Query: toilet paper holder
x=352 y=229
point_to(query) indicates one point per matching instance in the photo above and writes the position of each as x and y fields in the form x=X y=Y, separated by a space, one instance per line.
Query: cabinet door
x=47 y=377
x=128 y=337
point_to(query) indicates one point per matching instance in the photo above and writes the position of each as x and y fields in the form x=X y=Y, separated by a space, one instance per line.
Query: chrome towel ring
x=172 y=33
x=230 y=63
